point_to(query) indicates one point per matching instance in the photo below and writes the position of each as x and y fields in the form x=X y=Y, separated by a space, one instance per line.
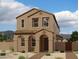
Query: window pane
x=22 y=42
x=22 y=23
x=34 y=22
x=33 y=42
x=45 y=21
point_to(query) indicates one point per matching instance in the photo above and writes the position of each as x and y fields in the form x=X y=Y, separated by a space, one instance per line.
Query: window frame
x=22 y=42
x=43 y=22
x=33 y=42
x=22 y=23
x=35 y=24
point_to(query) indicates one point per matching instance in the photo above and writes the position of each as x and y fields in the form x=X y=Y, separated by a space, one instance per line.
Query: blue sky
x=64 y=10
x=52 y=5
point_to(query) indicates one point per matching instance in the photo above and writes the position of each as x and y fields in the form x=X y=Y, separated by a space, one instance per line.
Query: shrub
x=56 y=50
x=58 y=58
x=23 y=51
x=12 y=49
x=21 y=57
x=48 y=54
x=2 y=54
x=62 y=51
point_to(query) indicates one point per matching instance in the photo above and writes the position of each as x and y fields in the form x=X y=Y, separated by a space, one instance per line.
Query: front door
x=44 y=44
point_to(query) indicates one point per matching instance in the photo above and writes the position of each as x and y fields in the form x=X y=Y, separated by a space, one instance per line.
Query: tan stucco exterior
x=50 y=31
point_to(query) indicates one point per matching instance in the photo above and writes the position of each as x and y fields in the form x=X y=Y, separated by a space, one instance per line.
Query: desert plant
x=47 y=54
x=62 y=51
x=21 y=57
x=56 y=50
x=58 y=58
x=12 y=49
x=3 y=53
x=23 y=51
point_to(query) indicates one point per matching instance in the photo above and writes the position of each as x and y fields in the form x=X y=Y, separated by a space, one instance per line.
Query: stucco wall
x=6 y=45
x=28 y=21
x=52 y=26
x=75 y=46
x=17 y=41
x=60 y=46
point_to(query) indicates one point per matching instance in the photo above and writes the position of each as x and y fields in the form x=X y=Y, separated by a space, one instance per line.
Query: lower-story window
x=22 y=42
x=33 y=42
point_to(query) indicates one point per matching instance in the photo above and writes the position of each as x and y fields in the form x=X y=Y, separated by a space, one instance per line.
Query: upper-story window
x=34 y=22
x=22 y=21
x=45 y=21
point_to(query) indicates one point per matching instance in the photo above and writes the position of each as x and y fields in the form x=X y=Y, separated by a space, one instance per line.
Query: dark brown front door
x=68 y=46
x=44 y=44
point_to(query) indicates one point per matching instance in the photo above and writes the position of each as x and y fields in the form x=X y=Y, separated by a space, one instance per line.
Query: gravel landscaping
x=15 y=55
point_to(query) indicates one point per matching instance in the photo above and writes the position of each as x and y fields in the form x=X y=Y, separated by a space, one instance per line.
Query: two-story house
x=36 y=31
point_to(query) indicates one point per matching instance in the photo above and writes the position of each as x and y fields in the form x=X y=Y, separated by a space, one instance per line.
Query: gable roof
x=26 y=12
x=37 y=12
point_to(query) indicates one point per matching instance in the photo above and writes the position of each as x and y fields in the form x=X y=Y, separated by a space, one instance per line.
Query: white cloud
x=67 y=20
x=9 y=9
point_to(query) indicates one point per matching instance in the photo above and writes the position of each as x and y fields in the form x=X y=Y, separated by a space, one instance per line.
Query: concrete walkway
x=70 y=55
x=37 y=56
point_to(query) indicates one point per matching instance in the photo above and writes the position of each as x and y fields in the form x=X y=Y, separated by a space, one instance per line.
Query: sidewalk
x=37 y=56
x=70 y=55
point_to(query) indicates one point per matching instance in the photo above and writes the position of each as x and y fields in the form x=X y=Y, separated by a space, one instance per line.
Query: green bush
x=62 y=51
x=2 y=54
x=21 y=57
x=12 y=49
x=23 y=51
x=58 y=58
x=48 y=54
x=56 y=50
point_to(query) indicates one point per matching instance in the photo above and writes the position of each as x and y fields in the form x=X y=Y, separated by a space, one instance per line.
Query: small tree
x=21 y=57
x=74 y=36
x=12 y=49
x=1 y=37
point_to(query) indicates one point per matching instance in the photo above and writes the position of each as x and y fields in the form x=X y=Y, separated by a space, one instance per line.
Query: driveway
x=71 y=55
x=37 y=56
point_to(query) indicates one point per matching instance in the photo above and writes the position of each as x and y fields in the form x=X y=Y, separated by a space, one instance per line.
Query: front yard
x=16 y=55
x=56 y=55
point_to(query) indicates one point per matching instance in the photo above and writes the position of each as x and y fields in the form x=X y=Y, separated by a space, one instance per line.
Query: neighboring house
x=66 y=36
x=37 y=31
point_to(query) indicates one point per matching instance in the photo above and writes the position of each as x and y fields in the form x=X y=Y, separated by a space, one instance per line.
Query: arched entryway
x=44 y=43
x=31 y=43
